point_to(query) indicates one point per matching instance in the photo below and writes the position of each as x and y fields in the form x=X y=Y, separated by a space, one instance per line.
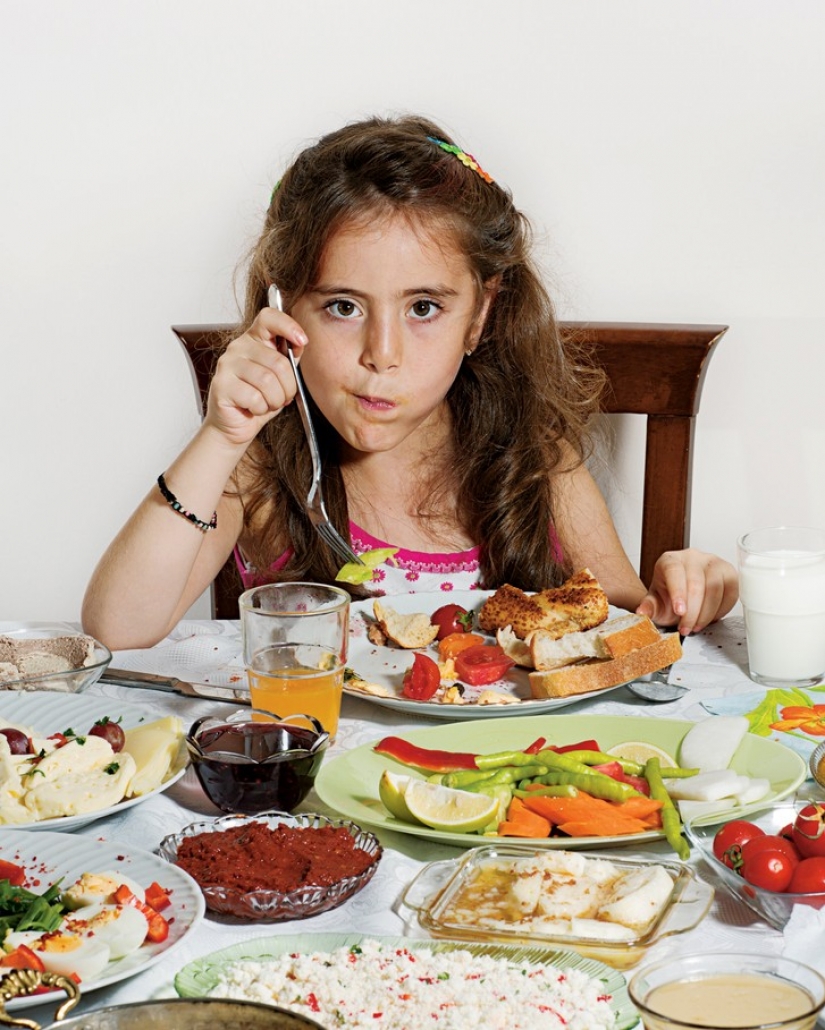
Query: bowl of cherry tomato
x=771 y=860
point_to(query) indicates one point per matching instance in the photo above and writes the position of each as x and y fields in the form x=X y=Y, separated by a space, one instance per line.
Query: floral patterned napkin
x=793 y=717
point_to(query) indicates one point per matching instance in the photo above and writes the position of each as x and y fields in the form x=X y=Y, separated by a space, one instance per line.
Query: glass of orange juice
x=295 y=648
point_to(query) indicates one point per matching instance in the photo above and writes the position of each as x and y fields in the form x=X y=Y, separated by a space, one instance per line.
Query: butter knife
x=171 y=684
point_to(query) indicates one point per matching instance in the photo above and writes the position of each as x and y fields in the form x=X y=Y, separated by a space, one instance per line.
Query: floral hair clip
x=464 y=158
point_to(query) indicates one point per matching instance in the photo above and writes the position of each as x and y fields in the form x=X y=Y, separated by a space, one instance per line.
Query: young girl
x=452 y=419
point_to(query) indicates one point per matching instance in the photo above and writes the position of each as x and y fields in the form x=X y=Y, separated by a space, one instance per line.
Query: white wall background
x=671 y=156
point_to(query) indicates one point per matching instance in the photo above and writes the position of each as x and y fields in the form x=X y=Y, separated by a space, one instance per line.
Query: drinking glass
x=782 y=588
x=726 y=990
x=295 y=648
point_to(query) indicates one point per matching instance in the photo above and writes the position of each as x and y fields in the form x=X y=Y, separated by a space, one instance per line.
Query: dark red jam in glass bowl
x=254 y=761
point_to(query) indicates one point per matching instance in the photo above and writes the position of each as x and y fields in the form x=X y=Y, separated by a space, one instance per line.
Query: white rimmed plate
x=349 y=783
x=385 y=666
x=49 y=712
x=199 y=977
x=54 y=856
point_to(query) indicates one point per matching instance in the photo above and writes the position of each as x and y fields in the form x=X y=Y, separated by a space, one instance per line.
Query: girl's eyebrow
x=329 y=290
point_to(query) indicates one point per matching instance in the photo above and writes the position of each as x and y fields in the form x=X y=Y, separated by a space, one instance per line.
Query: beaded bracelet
x=175 y=504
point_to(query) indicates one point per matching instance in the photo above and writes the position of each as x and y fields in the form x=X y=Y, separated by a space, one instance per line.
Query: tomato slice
x=482 y=664
x=455 y=643
x=422 y=679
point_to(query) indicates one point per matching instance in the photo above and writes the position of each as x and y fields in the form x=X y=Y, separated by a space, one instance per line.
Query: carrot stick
x=521 y=822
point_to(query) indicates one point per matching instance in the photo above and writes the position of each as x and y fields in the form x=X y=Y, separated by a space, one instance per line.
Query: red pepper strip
x=157 y=897
x=158 y=927
x=583 y=745
x=424 y=758
x=536 y=746
x=15 y=874
x=23 y=958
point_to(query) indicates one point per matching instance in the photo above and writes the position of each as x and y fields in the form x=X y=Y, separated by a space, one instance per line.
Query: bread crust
x=578 y=604
x=601 y=674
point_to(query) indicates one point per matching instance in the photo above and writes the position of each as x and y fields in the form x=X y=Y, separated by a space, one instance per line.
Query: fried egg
x=122 y=927
x=64 y=953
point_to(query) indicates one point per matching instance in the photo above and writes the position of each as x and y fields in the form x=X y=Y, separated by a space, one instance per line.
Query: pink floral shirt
x=407 y=572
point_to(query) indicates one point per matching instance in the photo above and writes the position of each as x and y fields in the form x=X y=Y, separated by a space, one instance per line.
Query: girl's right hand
x=253 y=379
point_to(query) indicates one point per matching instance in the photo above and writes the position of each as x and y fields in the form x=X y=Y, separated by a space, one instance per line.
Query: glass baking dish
x=440 y=901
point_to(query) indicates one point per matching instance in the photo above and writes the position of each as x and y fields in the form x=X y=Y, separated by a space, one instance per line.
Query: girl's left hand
x=690 y=588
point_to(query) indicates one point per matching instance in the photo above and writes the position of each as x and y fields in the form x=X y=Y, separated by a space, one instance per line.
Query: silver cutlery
x=171 y=684
x=656 y=686
x=315 y=506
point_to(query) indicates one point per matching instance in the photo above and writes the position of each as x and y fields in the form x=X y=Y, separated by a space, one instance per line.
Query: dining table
x=713 y=670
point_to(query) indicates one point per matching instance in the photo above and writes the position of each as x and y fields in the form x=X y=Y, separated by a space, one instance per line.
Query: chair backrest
x=655 y=370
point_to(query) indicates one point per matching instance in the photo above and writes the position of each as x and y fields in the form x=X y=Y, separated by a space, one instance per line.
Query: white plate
x=50 y=712
x=62 y=855
x=386 y=665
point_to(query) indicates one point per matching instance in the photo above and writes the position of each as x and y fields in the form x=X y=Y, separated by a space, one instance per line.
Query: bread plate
x=384 y=667
x=349 y=783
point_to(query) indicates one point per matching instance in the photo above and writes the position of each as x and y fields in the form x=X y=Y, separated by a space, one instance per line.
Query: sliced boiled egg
x=122 y=927
x=64 y=953
x=98 y=889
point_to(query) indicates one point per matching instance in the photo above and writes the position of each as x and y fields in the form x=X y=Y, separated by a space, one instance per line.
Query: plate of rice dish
x=394 y=983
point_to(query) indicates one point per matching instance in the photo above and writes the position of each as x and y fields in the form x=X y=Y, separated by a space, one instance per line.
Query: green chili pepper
x=596 y=784
x=671 y=823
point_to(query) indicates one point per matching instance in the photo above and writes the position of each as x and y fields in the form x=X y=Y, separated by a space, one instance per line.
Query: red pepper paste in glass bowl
x=274 y=866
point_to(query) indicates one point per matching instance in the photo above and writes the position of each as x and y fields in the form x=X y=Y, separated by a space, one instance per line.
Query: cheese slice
x=158 y=749
x=74 y=790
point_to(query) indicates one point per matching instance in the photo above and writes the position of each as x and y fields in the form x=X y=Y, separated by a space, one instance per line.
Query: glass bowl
x=774 y=908
x=446 y=899
x=267 y=905
x=748 y=991
x=256 y=762
x=84 y=665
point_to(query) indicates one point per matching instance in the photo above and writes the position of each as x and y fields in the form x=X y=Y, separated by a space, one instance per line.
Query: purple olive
x=19 y=743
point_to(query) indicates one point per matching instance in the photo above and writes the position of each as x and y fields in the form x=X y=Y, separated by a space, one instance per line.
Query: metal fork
x=315 y=499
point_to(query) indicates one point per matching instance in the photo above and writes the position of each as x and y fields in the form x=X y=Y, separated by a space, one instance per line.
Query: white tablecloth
x=714 y=666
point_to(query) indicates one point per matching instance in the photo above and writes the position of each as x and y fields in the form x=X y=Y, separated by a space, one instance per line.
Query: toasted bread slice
x=414 y=630
x=578 y=604
x=600 y=674
x=612 y=639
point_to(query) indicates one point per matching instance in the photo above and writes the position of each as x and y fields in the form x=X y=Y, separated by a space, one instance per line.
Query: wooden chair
x=655 y=370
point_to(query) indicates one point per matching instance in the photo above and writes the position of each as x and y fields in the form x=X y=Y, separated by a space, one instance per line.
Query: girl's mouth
x=375 y=403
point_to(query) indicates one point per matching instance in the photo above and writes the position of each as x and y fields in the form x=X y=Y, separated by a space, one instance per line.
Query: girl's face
x=389 y=320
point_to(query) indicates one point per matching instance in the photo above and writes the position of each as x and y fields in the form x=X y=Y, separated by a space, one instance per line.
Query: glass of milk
x=782 y=589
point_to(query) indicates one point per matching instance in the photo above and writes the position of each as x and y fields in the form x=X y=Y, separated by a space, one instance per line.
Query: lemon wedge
x=391 y=790
x=442 y=808
x=639 y=751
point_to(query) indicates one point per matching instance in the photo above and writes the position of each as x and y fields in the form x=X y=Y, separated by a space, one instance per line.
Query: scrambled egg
x=83 y=775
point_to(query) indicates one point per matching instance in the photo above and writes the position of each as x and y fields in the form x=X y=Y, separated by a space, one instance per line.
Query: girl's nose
x=382 y=345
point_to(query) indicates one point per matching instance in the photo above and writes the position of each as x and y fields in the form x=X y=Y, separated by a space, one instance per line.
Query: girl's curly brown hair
x=521 y=393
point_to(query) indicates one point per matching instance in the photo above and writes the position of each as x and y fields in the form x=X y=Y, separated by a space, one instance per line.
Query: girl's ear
x=489 y=292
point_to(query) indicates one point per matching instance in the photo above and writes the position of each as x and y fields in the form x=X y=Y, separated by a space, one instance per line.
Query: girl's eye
x=341 y=308
x=422 y=309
